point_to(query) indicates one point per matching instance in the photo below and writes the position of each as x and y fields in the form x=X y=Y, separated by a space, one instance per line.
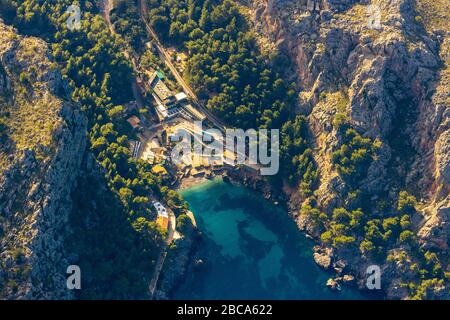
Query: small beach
x=190 y=181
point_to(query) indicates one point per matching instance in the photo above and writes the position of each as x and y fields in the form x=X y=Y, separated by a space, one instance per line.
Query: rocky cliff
x=43 y=141
x=383 y=67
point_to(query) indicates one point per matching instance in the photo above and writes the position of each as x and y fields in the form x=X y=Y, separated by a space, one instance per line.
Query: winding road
x=106 y=7
x=165 y=57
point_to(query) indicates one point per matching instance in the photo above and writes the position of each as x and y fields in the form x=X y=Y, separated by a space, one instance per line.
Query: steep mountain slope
x=375 y=100
x=43 y=140
x=108 y=223
x=390 y=84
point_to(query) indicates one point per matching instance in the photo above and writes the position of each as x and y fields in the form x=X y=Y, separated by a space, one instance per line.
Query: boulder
x=322 y=259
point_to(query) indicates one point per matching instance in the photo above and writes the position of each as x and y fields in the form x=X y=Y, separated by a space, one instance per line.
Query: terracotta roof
x=134 y=121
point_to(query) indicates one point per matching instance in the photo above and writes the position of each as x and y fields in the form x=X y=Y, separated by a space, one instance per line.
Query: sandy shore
x=190 y=182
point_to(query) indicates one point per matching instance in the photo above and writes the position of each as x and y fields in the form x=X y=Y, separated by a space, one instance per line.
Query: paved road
x=106 y=6
x=168 y=61
x=163 y=254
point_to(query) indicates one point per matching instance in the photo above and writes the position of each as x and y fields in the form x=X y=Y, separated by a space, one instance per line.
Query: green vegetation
x=150 y=62
x=406 y=203
x=114 y=255
x=127 y=22
x=318 y=217
x=3 y=129
x=29 y=110
x=224 y=66
x=296 y=157
x=227 y=70
x=342 y=226
x=240 y=84
x=184 y=224
x=429 y=277
x=426 y=287
x=354 y=155
x=374 y=235
x=120 y=240
x=378 y=236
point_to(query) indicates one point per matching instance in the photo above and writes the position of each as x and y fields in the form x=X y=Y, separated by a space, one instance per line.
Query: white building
x=162 y=211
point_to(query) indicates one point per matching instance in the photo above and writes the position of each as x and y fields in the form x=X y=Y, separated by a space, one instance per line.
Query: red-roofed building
x=134 y=122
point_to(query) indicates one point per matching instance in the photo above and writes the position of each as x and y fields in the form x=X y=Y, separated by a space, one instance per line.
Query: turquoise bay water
x=251 y=250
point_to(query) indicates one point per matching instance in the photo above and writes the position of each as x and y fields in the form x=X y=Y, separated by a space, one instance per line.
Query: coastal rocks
x=394 y=89
x=323 y=259
x=198 y=263
x=339 y=266
x=333 y=284
x=348 y=279
x=306 y=224
x=396 y=290
x=254 y=182
x=177 y=263
x=226 y=178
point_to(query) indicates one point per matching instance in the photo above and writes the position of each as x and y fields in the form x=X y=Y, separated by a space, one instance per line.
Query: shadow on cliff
x=115 y=263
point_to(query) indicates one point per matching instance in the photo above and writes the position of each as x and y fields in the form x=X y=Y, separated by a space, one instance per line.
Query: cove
x=251 y=249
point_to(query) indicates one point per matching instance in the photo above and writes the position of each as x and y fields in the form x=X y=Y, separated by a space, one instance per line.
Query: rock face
x=40 y=157
x=322 y=259
x=389 y=80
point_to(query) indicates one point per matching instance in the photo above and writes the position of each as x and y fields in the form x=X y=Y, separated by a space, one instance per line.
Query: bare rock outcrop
x=40 y=154
x=390 y=79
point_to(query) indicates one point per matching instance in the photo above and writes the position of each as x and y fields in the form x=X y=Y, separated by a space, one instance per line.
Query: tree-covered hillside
x=100 y=78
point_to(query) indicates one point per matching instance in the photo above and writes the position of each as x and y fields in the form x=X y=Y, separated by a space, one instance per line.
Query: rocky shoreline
x=323 y=256
x=391 y=88
x=184 y=259
x=187 y=261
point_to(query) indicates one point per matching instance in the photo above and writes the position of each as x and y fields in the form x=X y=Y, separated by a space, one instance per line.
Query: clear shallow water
x=251 y=250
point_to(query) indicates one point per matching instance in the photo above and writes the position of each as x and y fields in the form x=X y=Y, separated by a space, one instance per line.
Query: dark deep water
x=251 y=249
